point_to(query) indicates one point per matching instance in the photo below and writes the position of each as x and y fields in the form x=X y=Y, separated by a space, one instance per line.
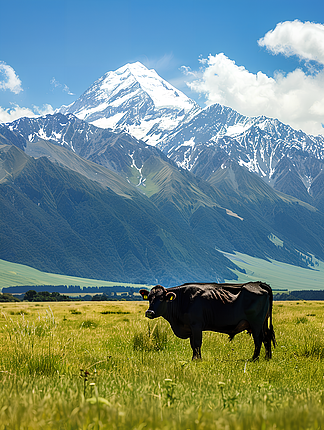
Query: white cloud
x=303 y=39
x=11 y=114
x=11 y=81
x=65 y=88
x=295 y=98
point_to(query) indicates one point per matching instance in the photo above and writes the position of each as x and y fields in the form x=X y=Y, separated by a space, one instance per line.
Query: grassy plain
x=279 y=275
x=84 y=365
x=13 y=274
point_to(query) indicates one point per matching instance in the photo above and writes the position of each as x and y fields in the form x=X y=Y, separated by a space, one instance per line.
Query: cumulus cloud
x=303 y=39
x=8 y=79
x=11 y=114
x=295 y=98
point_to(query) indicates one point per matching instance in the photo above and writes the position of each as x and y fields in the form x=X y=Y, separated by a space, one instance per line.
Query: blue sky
x=52 y=51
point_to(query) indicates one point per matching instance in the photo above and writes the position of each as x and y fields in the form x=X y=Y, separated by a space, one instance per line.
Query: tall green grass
x=121 y=371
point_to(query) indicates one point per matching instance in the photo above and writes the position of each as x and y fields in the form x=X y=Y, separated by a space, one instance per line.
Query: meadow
x=103 y=365
x=14 y=274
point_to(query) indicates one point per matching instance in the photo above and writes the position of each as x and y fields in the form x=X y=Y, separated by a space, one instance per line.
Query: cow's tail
x=268 y=332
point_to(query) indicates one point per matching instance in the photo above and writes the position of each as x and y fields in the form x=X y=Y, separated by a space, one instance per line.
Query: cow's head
x=158 y=298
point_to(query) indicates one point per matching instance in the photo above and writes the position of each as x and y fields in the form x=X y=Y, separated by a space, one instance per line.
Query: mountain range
x=136 y=100
x=135 y=182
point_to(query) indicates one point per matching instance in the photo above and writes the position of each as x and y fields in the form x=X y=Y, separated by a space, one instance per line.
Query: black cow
x=225 y=308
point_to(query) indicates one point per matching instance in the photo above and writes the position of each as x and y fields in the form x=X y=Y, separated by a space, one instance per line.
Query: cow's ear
x=170 y=296
x=144 y=294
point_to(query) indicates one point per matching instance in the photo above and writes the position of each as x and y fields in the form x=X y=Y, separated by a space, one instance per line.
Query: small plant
x=114 y=312
x=89 y=324
x=151 y=340
x=229 y=400
x=313 y=346
x=18 y=312
x=169 y=391
x=75 y=312
x=301 y=320
x=88 y=375
x=84 y=374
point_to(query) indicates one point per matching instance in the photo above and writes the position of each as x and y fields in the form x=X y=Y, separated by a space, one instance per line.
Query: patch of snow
x=110 y=122
x=185 y=164
x=139 y=131
x=121 y=100
x=235 y=130
x=233 y=214
x=57 y=136
x=141 y=179
x=190 y=142
x=42 y=134
x=84 y=113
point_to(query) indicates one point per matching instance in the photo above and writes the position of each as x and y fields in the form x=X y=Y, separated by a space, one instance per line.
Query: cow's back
x=217 y=305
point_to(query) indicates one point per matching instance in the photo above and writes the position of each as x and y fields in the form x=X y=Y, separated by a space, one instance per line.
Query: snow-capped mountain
x=134 y=99
x=218 y=134
x=65 y=130
x=137 y=100
x=116 y=151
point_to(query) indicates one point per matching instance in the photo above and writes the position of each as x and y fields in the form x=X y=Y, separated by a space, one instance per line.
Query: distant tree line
x=45 y=296
x=110 y=297
x=300 y=295
x=33 y=296
x=71 y=289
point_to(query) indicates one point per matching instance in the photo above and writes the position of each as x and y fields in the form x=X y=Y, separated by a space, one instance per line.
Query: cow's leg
x=257 y=337
x=196 y=341
x=267 y=345
x=267 y=339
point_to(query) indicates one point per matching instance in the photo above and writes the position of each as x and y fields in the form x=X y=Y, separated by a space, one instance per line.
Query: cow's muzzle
x=150 y=314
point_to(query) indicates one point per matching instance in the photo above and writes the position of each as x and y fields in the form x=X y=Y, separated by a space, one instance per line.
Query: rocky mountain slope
x=57 y=220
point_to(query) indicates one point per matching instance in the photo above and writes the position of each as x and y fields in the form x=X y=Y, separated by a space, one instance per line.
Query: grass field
x=278 y=275
x=12 y=274
x=85 y=365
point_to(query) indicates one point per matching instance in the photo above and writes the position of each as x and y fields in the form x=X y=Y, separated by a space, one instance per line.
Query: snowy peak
x=134 y=99
x=163 y=94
